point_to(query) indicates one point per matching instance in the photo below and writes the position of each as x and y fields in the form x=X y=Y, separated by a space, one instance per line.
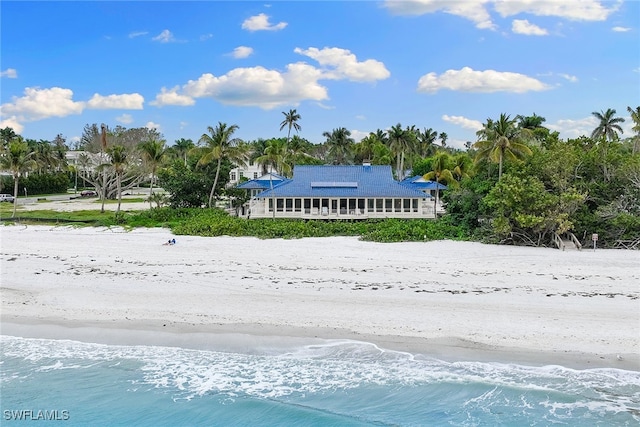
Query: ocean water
x=328 y=383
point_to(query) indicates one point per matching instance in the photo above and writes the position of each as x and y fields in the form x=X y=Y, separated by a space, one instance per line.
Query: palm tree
x=218 y=145
x=501 y=139
x=462 y=166
x=608 y=127
x=364 y=149
x=182 y=147
x=443 y=139
x=118 y=159
x=17 y=159
x=440 y=172
x=530 y=122
x=291 y=121
x=340 y=144
x=635 y=118
x=426 y=139
x=400 y=143
x=153 y=152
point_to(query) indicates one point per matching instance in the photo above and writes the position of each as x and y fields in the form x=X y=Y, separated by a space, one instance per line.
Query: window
x=255 y=175
x=397 y=205
x=233 y=176
x=406 y=205
x=388 y=205
x=241 y=174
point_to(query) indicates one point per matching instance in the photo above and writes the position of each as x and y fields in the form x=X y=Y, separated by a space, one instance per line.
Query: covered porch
x=341 y=208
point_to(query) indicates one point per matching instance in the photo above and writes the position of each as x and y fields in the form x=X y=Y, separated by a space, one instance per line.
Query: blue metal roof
x=342 y=181
x=263 y=182
x=419 y=183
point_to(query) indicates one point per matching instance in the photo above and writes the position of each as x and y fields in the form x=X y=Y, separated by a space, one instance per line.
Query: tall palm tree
x=440 y=172
x=153 y=152
x=17 y=159
x=291 y=121
x=443 y=139
x=182 y=147
x=608 y=127
x=340 y=144
x=426 y=139
x=118 y=159
x=400 y=141
x=635 y=118
x=218 y=145
x=501 y=139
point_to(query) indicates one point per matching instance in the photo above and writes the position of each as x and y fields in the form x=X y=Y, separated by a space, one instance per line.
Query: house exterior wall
x=251 y=171
x=341 y=208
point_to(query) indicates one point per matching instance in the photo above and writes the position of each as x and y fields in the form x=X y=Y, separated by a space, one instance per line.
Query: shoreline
x=449 y=300
x=240 y=338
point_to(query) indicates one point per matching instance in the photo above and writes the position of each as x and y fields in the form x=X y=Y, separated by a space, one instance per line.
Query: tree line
x=518 y=182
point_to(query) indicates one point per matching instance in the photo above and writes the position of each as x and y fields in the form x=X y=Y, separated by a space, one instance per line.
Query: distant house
x=339 y=192
x=250 y=171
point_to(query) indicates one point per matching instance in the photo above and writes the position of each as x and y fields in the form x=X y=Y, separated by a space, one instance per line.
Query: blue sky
x=362 y=65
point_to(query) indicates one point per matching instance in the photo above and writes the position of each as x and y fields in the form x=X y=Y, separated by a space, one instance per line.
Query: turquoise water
x=332 y=383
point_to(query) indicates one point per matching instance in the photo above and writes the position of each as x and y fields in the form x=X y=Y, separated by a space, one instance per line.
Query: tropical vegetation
x=518 y=183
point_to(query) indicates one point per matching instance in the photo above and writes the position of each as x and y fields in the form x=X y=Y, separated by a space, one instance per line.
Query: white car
x=6 y=198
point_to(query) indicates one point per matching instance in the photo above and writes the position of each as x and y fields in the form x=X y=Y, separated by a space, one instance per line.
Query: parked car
x=88 y=193
x=6 y=198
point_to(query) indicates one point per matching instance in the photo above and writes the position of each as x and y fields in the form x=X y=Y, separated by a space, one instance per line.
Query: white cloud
x=13 y=123
x=260 y=87
x=473 y=10
x=37 y=104
x=463 y=122
x=575 y=10
x=621 y=29
x=127 y=101
x=205 y=37
x=358 y=135
x=242 y=52
x=469 y=80
x=125 y=118
x=574 y=128
x=572 y=79
x=268 y=88
x=522 y=26
x=172 y=97
x=261 y=23
x=137 y=34
x=9 y=73
x=325 y=106
x=344 y=64
x=164 y=37
x=152 y=126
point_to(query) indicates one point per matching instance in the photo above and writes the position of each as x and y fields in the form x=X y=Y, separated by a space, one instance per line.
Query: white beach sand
x=453 y=300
